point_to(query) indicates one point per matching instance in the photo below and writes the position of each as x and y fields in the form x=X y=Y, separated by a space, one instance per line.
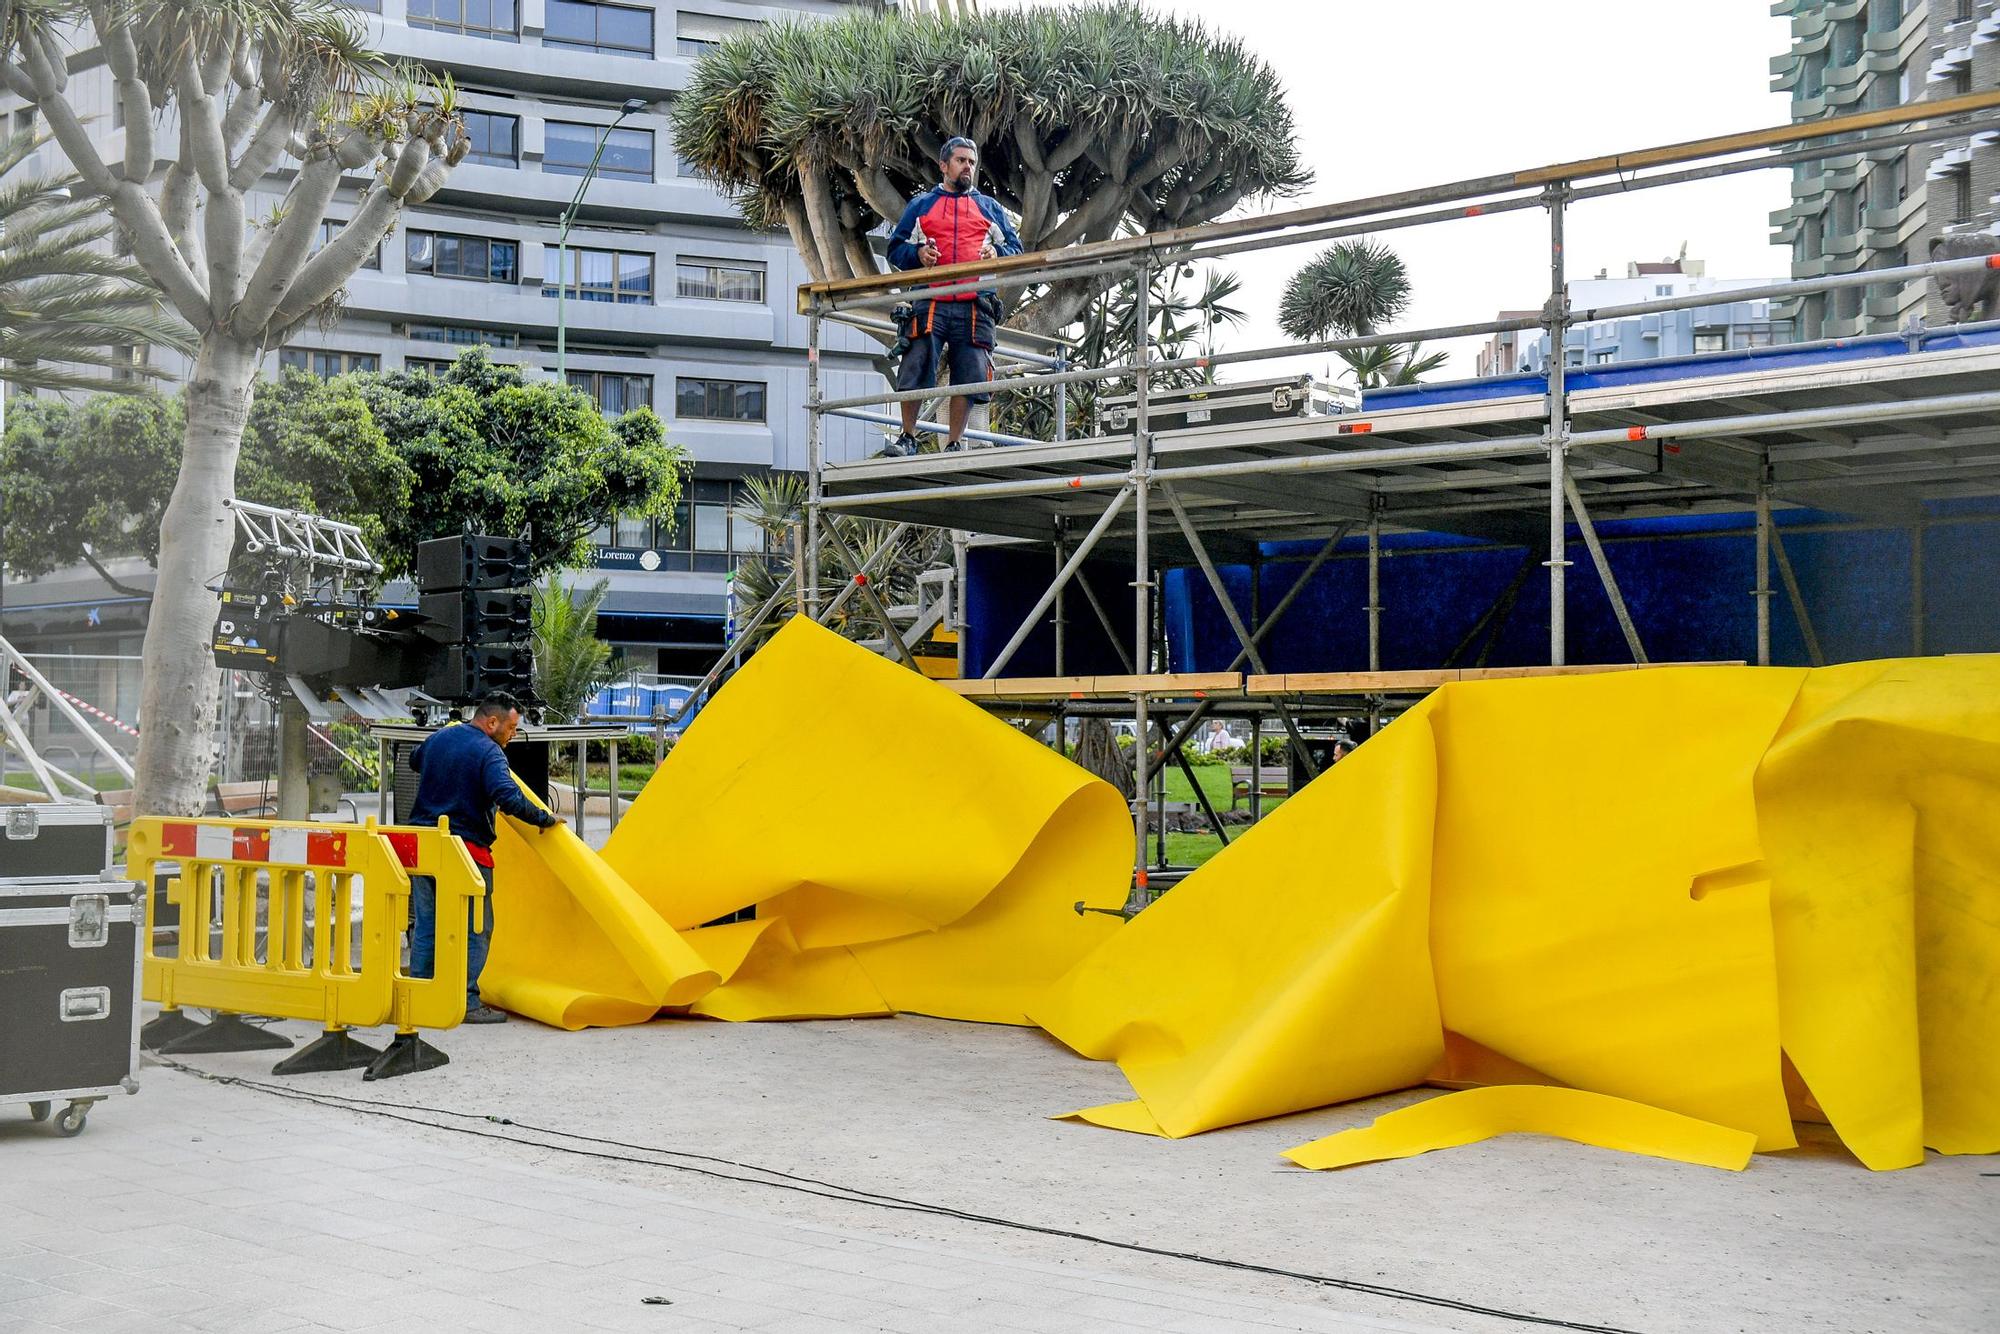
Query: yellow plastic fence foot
x=406 y=1055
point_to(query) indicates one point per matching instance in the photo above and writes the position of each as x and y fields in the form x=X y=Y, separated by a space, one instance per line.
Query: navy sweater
x=462 y=774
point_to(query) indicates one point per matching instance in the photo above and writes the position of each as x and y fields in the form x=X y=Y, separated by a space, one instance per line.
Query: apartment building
x=1726 y=326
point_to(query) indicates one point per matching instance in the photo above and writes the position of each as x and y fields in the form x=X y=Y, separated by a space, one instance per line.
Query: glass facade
x=618 y=30
x=497 y=20
x=474 y=258
x=567 y=148
x=622 y=276
x=719 y=400
x=717 y=280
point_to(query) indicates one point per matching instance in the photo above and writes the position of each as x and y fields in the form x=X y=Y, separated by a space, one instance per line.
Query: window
x=636 y=531
x=330 y=229
x=463 y=335
x=325 y=364
x=476 y=258
x=372 y=6
x=614 y=392
x=612 y=29
x=716 y=280
x=623 y=276
x=698 y=34
x=1604 y=357
x=719 y=400
x=498 y=20
x=1960 y=184
x=24 y=118
x=430 y=364
x=568 y=148
x=1663 y=289
x=1763 y=335
x=1711 y=340
x=495 y=139
x=1572 y=356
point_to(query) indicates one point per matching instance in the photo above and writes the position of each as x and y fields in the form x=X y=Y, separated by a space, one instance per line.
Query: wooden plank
x=1425 y=679
x=1099 y=687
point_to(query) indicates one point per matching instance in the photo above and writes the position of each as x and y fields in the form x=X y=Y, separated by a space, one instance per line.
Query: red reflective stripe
x=326 y=849
x=177 y=840
x=250 y=845
x=406 y=848
x=1635 y=433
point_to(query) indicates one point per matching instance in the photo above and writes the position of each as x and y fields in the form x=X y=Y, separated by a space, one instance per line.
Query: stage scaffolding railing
x=1138 y=484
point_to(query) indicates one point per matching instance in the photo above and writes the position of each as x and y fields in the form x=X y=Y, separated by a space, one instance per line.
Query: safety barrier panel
x=301 y=920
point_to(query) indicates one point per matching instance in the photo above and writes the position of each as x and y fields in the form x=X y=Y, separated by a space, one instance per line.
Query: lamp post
x=568 y=220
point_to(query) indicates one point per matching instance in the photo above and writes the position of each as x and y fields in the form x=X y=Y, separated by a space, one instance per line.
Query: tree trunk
x=1098 y=751
x=177 y=699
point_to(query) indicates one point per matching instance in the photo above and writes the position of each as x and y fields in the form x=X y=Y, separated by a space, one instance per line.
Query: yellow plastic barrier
x=267 y=913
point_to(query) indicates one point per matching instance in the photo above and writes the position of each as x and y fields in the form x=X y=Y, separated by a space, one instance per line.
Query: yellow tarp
x=902 y=849
x=1620 y=901
x=1648 y=887
x=1477 y=1114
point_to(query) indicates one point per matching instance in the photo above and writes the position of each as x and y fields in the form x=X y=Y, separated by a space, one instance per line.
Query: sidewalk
x=197 y=1206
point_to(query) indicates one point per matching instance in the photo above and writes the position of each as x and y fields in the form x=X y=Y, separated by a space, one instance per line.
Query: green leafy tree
x=489 y=449
x=404 y=456
x=69 y=310
x=571 y=663
x=243 y=87
x=1391 y=364
x=89 y=481
x=1089 y=118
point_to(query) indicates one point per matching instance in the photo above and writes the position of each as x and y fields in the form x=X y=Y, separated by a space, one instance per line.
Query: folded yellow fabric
x=902 y=849
x=1527 y=1109
x=1291 y=971
x=1880 y=811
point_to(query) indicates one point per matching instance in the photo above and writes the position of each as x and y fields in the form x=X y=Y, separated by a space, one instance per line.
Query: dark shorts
x=944 y=331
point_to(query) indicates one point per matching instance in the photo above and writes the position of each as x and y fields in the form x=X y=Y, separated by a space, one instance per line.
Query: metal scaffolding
x=1875 y=438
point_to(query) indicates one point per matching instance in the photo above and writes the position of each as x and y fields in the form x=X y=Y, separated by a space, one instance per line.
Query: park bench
x=1272 y=780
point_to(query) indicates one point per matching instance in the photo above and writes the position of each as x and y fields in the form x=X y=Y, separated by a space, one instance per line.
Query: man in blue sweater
x=462 y=775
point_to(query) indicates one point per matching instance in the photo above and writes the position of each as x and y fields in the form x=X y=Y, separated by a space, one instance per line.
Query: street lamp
x=632 y=106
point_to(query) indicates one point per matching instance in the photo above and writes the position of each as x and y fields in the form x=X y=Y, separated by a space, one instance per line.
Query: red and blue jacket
x=956 y=223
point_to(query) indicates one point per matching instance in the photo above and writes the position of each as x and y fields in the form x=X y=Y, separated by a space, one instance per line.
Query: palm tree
x=776 y=504
x=571 y=663
x=66 y=303
x=1350 y=288
x=1390 y=364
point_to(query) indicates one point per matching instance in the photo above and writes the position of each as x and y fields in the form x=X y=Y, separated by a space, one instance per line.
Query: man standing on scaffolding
x=950 y=224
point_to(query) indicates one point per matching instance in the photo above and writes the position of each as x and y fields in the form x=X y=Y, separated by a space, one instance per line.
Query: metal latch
x=22 y=822
x=89 y=921
x=80 y=1005
x=1116 y=418
x=1281 y=398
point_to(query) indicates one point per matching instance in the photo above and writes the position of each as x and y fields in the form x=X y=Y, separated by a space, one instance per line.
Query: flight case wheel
x=39 y=1110
x=70 y=1123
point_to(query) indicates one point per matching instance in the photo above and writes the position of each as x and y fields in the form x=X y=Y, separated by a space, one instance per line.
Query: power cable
x=829 y=1190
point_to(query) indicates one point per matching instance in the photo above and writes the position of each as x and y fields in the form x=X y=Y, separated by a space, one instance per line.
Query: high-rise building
x=1880 y=209
x=671 y=301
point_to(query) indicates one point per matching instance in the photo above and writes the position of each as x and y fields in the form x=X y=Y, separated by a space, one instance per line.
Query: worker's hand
x=928 y=255
x=548 y=821
x=986 y=250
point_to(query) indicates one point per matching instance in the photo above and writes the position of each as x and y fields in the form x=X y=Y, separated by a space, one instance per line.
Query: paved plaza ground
x=826 y=1176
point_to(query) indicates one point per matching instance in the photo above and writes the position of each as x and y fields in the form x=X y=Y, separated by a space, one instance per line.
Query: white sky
x=1390 y=96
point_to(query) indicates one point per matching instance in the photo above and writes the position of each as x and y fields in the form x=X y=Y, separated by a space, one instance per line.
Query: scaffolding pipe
x=1762 y=592
x=815 y=468
x=1375 y=584
x=931 y=428
x=1798 y=599
x=1558 y=441
x=874 y=601
x=867 y=571
x=1604 y=575
x=1142 y=569
x=1075 y=562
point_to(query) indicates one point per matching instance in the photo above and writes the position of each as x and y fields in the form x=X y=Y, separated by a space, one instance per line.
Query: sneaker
x=954 y=446
x=902 y=447
x=485 y=1014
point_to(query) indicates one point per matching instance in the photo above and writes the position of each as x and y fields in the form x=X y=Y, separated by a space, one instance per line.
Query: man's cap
x=956 y=141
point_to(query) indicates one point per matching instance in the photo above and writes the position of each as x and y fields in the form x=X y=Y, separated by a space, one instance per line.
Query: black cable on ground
x=829 y=1190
